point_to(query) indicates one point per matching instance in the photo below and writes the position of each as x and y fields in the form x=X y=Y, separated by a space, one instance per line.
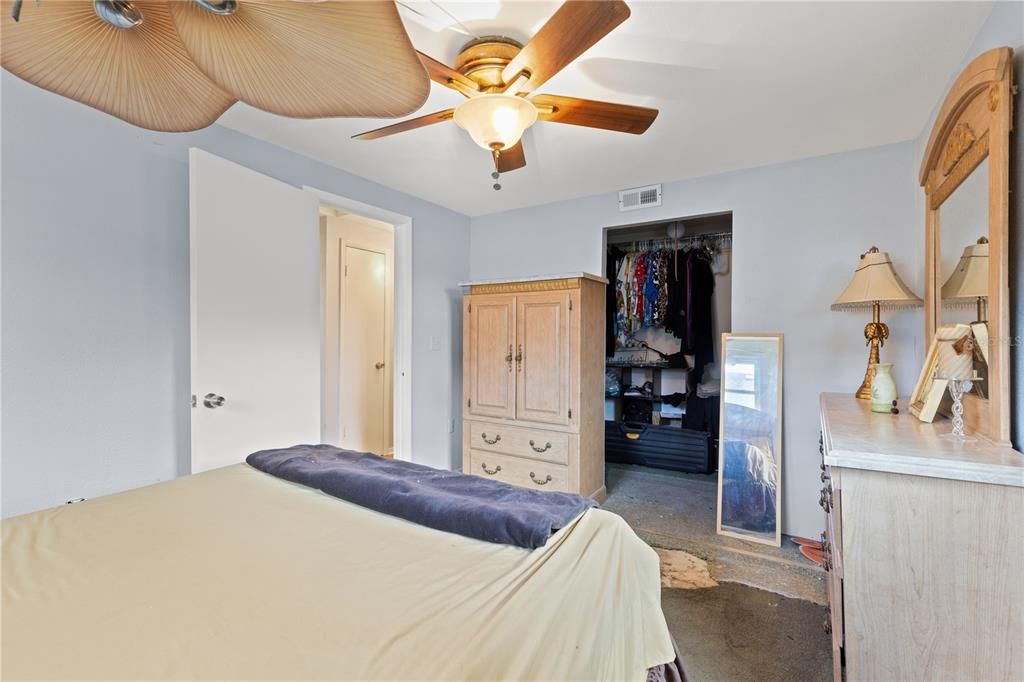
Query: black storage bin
x=664 y=447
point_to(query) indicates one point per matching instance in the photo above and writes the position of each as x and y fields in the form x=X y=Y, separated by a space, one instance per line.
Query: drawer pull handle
x=533 y=477
x=488 y=440
x=490 y=472
x=547 y=446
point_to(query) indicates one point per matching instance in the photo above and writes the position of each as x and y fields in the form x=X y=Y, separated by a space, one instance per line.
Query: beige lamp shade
x=875 y=281
x=142 y=75
x=308 y=59
x=969 y=280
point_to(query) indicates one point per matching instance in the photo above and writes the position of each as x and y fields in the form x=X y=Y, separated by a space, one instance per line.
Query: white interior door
x=363 y=350
x=255 y=304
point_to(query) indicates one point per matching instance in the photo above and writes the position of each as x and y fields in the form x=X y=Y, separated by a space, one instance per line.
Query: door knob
x=213 y=400
x=379 y=365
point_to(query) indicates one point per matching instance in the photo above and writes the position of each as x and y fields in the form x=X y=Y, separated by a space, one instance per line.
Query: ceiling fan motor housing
x=483 y=59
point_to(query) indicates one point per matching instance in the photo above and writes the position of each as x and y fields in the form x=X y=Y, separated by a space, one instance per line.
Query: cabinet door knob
x=490 y=441
x=547 y=446
x=212 y=400
x=490 y=472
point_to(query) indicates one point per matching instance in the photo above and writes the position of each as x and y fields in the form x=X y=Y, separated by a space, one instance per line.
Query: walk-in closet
x=669 y=301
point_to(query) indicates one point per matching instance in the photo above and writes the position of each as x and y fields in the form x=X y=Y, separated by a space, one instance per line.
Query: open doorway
x=357 y=297
x=256 y=314
x=672 y=286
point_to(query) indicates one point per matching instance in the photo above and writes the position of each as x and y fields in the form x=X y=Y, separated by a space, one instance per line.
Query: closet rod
x=716 y=238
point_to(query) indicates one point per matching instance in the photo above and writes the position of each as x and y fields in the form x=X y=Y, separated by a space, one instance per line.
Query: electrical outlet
x=451 y=426
x=435 y=343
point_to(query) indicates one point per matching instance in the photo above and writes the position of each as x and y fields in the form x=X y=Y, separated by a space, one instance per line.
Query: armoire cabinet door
x=489 y=356
x=542 y=351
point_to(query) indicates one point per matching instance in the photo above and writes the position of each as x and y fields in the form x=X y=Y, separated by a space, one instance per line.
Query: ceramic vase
x=883 y=388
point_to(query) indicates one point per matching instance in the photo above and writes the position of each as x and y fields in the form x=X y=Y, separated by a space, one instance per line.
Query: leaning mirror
x=749 y=466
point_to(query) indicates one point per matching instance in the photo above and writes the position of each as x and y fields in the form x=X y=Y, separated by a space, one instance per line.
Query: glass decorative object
x=957 y=389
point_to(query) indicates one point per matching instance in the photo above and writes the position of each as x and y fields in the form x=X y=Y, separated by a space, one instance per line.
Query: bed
x=236 y=574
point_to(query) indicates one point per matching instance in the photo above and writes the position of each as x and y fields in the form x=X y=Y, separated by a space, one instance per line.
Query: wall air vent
x=640 y=197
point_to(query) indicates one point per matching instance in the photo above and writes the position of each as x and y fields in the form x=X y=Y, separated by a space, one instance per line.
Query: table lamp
x=875 y=284
x=969 y=281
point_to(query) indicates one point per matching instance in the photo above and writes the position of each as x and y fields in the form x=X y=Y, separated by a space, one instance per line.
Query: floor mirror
x=750 y=440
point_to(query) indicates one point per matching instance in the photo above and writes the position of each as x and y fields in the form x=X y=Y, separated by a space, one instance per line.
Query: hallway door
x=365 y=419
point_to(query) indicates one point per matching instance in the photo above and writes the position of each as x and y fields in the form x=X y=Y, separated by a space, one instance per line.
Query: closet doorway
x=357 y=294
x=669 y=302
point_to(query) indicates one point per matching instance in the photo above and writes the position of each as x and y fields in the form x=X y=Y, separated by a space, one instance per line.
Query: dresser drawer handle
x=488 y=440
x=547 y=446
x=490 y=472
x=533 y=477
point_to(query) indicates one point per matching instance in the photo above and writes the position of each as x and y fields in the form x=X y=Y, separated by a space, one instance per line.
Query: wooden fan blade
x=411 y=124
x=142 y=75
x=589 y=113
x=308 y=59
x=570 y=31
x=511 y=159
x=447 y=76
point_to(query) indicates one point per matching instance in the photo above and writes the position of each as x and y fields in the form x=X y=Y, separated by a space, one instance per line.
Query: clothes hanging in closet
x=611 y=301
x=700 y=286
x=664 y=288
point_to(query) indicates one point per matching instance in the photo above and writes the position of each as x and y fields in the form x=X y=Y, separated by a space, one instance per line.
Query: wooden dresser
x=533 y=382
x=925 y=548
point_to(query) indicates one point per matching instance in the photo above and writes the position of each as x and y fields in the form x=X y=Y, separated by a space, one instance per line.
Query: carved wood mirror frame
x=972 y=125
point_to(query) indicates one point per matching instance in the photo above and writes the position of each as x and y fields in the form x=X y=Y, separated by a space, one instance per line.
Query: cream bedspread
x=233 y=574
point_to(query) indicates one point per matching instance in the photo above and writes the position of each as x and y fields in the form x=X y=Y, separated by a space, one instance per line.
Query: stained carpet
x=734 y=632
x=726 y=627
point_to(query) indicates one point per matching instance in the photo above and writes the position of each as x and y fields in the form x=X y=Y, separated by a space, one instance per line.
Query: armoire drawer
x=548 y=446
x=521 y=472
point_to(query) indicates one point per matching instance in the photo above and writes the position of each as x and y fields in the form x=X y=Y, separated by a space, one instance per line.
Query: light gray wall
x=95 y=347
x=798 y=231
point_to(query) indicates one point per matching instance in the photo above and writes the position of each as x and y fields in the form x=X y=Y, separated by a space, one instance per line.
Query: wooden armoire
x=533 y=382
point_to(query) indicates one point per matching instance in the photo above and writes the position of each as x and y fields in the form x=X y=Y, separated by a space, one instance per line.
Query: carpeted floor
x=734 y=632
x=726 y=627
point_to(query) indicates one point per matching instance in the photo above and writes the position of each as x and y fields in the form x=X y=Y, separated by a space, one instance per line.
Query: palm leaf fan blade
x=308 y=60
x=142 y=75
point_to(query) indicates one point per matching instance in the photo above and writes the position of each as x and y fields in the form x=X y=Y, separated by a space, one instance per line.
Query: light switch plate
x=435 y=343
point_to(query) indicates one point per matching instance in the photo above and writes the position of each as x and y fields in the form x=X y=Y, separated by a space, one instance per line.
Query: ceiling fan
x=498 y=76
x=177 y=65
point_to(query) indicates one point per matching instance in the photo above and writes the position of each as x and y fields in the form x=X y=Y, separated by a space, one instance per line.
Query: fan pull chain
x=496 y=174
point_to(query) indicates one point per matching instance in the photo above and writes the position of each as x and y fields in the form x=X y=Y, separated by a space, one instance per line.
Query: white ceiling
x=738 y=85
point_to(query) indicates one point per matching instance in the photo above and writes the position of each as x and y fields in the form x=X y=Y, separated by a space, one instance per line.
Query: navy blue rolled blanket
x=479 y=508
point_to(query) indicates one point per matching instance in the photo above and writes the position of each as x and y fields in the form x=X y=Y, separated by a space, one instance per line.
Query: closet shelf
x=632 y=397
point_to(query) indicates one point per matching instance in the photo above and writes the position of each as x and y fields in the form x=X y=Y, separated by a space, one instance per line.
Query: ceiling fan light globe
x=496 y=121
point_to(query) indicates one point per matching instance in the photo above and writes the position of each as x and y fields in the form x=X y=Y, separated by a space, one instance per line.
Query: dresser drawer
x=537 y=475
x=548 y=446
